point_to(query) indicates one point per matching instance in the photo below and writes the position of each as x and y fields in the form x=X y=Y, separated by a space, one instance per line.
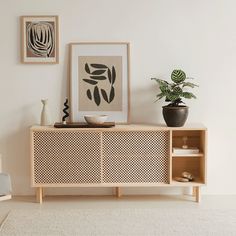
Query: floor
x=110 y=202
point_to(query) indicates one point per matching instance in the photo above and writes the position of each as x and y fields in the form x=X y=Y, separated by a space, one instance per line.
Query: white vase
x=45 y=116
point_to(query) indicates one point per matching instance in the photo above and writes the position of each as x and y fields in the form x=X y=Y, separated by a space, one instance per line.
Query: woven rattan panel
x=135 y=157
x=66 y=157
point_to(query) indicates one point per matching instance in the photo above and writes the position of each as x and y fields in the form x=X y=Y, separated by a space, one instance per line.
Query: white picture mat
x=119 y=49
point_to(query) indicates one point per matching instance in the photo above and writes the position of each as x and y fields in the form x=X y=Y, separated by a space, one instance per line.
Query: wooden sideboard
x=123 y=156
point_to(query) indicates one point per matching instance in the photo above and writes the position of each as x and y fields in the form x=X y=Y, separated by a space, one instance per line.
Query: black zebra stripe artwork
x=41 y=39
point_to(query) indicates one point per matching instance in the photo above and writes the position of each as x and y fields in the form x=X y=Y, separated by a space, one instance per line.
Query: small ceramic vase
x=45 y=116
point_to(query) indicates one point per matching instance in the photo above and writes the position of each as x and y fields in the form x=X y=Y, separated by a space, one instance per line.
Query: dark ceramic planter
x=175 y=116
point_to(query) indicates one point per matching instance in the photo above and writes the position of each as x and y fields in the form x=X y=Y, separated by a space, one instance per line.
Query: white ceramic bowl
x=95 y=119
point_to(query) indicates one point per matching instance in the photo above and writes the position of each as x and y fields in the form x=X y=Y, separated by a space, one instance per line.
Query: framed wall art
x=39 y=39
x=99 y=81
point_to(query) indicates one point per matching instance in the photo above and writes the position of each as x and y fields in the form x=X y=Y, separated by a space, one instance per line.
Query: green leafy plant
x=176 y=90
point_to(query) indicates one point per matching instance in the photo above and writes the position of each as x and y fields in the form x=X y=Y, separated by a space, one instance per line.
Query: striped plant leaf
x=178 y=76
x=177 y=90
x=172 y=96
x=164 y=88
x=161 y=82
x=160 y=96
x=189 y=84
x=188 y=95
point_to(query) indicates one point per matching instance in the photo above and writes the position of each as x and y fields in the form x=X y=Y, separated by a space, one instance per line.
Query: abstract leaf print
x=41 y=38
x=100 y=72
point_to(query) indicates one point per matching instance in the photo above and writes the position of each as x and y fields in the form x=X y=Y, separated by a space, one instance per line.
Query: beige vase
x=45 y=115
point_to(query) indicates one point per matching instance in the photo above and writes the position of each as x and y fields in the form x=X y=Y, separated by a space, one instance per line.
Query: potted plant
x=176 y=112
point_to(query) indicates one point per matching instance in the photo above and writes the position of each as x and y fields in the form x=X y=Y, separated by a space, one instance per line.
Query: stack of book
x=185 y=151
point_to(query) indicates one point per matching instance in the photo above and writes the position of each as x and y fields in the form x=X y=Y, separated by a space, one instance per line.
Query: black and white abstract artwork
x=40 y=39
x=100 y=72
x=100 y=83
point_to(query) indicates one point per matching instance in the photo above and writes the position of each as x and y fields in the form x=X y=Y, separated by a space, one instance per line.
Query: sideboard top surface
x=125 y=127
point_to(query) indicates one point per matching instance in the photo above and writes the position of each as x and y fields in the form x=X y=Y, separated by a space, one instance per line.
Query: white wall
x=197 y=36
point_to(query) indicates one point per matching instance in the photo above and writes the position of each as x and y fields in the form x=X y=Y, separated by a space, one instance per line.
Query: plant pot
x=175 y=116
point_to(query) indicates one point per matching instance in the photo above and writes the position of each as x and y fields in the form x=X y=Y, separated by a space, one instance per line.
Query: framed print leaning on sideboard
x=99 y=80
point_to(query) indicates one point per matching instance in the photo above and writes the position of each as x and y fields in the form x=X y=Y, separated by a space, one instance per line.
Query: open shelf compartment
x=192 y=163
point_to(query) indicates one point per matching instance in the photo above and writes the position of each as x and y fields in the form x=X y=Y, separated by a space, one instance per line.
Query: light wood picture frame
x=99 y=80
x=40 y=39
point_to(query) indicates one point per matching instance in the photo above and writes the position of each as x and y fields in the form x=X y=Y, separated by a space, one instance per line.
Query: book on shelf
x=185 y=151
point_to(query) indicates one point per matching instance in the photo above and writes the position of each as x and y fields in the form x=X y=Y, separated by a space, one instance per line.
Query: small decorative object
x=188 y=176
x=65 y=110
x=45 y=116
x=181 y=179
x=39 y=39
x=176 y=112
x=185 y=139
x=99 y=81
x=185 y=177
x=95 y=119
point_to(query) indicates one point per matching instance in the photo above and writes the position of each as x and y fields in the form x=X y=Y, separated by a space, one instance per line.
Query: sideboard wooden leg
x=118 y=192
x=194 y=191
x=198 y=194
x=39 y=195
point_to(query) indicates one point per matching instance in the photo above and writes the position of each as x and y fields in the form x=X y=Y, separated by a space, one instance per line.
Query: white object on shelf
x=185 y=151
x=45 y=116
x=185 y=139
x=95 y=119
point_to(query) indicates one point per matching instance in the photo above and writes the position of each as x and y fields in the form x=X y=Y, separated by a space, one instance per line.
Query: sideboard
x=122 y=156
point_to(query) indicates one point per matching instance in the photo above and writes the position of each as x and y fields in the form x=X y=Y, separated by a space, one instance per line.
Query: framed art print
x=39 y=39
x=99 y=81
